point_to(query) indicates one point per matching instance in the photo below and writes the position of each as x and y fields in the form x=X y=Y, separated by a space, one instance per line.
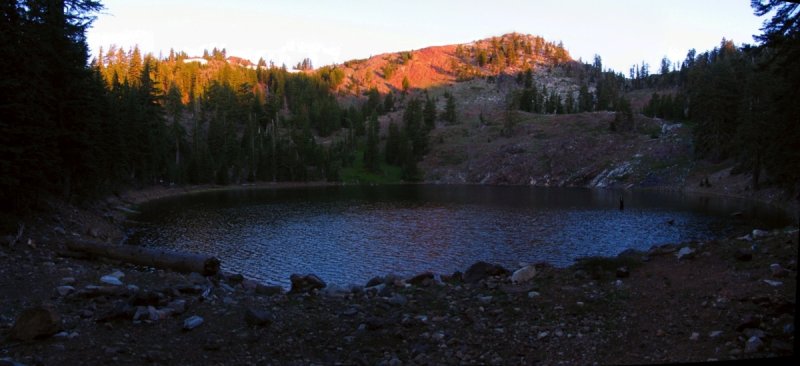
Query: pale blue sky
x=622 y=32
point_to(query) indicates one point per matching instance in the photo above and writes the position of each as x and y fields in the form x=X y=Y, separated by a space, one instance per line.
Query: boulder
x=335 y=291
x=481 y=270
x=374 y=281
x=523 y=274
x=421 y=278
x=630 y=253
x=235 y=279
x=307 y=283
x=453 y=278
x=36 y=322
x=268 y=290
x=394 y=280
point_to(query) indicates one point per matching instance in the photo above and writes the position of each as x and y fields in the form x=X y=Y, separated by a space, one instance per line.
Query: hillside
x=561 y=150
x=445 y=65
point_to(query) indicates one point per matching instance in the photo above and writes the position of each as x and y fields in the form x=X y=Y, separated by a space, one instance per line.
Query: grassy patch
x=358 y=174
x=452 y=157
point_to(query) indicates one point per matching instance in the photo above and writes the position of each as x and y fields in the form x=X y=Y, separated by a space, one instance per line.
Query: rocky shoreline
x=724 y=299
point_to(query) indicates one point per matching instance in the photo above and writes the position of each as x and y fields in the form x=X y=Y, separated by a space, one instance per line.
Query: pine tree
x=450 y=109
x=388 y=102
x=371 y=158
x=393 y=149
x=585 y=101
x=414 y=129
x=429 y=113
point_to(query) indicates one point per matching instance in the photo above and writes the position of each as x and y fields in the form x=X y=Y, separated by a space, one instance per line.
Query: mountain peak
x=437 y=65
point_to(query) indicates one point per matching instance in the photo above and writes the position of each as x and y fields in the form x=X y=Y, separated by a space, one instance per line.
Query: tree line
x=742 y=101
x=75 y=129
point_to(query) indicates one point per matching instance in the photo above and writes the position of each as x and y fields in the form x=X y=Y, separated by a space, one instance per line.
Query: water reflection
x=349 y=234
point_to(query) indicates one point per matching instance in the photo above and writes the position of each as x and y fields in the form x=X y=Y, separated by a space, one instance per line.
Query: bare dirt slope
x=561 y=150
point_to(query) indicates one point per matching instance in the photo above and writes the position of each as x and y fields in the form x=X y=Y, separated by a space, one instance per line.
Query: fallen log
x=159 y=258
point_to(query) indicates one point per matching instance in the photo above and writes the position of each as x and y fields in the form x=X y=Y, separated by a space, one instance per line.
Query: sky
x=622 y=32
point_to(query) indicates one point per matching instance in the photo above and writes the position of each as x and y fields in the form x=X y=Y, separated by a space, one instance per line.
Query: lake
x=349 y=234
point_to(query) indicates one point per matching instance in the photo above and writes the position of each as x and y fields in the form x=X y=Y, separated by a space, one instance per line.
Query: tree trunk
x=176 y=261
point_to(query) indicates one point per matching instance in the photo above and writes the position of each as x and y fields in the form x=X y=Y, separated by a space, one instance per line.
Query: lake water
x=349 y=234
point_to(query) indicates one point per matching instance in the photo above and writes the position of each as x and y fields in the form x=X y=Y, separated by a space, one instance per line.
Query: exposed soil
x=725 y=300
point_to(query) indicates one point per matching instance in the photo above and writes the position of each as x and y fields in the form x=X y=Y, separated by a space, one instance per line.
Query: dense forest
x=75 y=128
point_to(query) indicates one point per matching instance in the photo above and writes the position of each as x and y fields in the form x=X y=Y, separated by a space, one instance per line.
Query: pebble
x=111 y=280
x=65 y=290
x=754 y=332
x=192 y=322
x=753 y=344
x=257 y=317
x=398 y=299
x=336 y=291
x=715 y=334
x=695 y=336
x=533 y=294
x=523 y=274
x=748 y=321
x=685 y=253
x=542 y=335
x=177 y=306
x=773 y=283
x=350 y=311
x=778 y=271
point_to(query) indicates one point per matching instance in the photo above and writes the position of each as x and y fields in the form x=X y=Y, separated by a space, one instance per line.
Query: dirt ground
x=721 y=300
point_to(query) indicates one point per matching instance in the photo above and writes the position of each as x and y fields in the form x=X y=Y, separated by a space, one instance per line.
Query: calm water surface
x=348 y=234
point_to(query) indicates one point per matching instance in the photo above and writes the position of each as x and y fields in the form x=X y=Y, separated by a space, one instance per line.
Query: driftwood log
x=159 y=258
